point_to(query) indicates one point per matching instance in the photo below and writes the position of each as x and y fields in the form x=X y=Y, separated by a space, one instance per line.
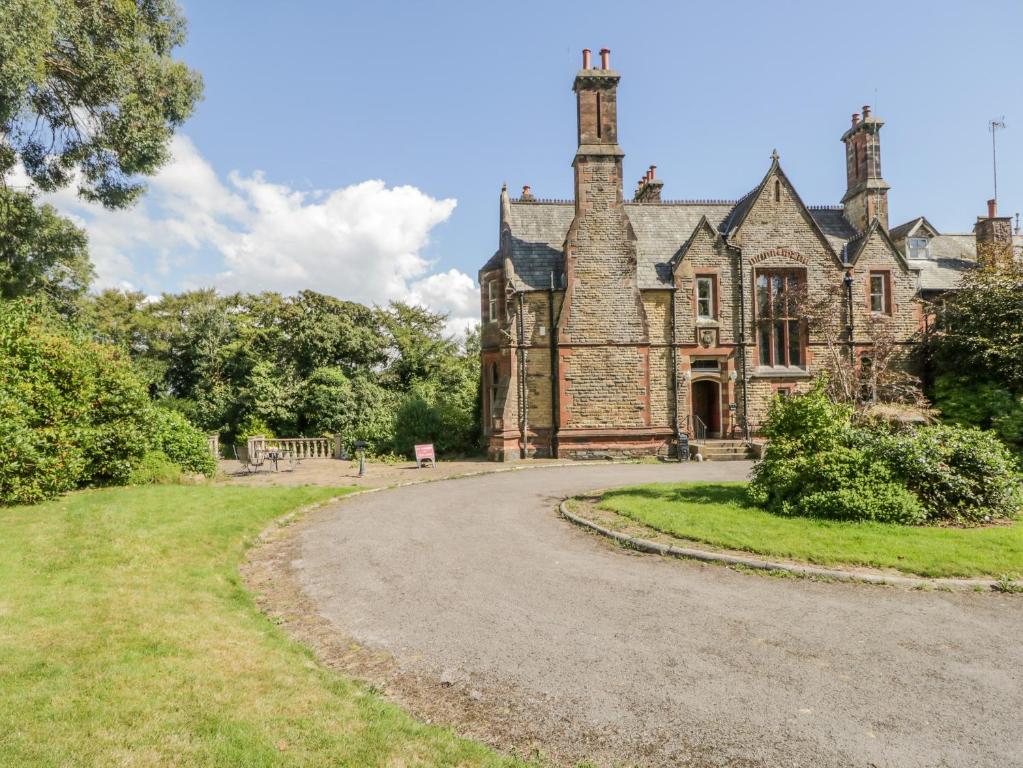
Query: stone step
x=730 y=450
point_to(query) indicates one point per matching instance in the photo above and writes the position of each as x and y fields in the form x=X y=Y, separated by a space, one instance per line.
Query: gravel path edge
x=757 y=563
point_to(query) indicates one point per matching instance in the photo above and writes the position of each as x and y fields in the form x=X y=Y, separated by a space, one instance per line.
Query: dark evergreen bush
x=818 y=464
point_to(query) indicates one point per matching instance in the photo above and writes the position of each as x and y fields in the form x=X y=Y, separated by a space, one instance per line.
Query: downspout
x=523 y=390
x=674 y=374
x=742 y=351
x=848 y=280
x=555 y=384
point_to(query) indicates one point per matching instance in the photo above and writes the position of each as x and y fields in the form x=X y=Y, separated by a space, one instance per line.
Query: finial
x=774 y=155
x=504 y=187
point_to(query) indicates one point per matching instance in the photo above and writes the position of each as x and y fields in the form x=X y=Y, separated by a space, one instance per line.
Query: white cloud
x=363 y=242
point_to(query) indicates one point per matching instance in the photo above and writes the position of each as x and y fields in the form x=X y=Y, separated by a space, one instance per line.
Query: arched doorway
x=707 y=404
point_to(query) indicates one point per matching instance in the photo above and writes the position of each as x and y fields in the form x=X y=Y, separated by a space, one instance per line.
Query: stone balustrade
x=301 y=448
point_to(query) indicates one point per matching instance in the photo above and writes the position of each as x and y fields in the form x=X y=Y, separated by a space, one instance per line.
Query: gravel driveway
x=478 y=583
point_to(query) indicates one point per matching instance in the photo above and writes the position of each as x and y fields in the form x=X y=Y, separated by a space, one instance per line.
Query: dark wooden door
x=706 y=404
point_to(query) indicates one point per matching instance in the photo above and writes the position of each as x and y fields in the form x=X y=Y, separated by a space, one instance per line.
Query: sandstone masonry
x=611 y=327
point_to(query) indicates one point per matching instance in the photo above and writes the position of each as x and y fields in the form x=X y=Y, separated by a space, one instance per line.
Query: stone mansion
x=610 y=327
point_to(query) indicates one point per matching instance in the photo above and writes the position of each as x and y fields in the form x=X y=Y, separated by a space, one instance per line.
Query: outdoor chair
x=249 y=463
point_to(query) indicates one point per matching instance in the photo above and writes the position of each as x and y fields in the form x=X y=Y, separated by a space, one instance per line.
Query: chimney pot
x=653 y=172
x=605 y=58
x=586 y=58
x=856 y=118
x=866 y=111
x=992 y=209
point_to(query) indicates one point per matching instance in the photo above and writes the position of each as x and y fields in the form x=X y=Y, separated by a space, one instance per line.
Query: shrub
x=178 y=440
x=960 y=474
x=119 y=410
x=840 y=483
x=72 y=412
x=155 y=468
x=431 y=414
x=819 y=465
x=981 y=404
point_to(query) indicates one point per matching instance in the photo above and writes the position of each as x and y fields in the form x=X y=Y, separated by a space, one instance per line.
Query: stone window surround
x=492 y=296
x=714 y=273
x=885 y=273
x=761 y=368
x=709 y=279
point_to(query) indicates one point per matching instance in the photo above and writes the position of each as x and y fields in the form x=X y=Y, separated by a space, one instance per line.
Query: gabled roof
x=536 y=238
x=855 y=246
x=911 y=227
x=737 y=216
x=703 y=225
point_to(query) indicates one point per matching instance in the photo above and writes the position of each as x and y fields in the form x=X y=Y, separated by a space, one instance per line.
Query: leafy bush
x=72 y=412
x=178 y=440
x=252 y=426
x=958 y=473
x=981 y=404
x=155 y=468
x=819 y=465
x=431 y=414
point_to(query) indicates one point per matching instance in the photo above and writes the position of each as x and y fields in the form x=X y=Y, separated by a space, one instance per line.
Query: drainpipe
x=848 y=281
x=674 y=375
x=555 y=386
x=523 y=390
x=742 y=351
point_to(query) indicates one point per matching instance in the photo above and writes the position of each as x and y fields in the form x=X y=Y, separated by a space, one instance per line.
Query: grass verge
x=126 y=638
x=718 y=514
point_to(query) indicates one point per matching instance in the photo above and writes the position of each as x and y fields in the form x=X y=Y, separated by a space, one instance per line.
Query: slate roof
x=537 y=233
x=949 y=257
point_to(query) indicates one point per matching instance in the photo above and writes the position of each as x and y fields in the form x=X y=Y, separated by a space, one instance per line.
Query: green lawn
x=127 y=639
x=718 y=514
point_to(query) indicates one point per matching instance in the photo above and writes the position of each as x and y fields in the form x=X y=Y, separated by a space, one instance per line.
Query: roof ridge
x=694 y=201
x=543 y=200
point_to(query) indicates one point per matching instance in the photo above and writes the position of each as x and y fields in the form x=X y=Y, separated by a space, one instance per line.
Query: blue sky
x=307 y=100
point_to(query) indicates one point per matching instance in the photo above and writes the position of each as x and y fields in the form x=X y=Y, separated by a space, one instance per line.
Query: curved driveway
x=659 y=661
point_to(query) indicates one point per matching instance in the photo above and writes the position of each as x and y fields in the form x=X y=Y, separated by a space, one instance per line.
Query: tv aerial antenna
x=994 y=126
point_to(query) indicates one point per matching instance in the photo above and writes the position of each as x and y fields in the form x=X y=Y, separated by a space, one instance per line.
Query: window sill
x=712 y=322
x=769 y=372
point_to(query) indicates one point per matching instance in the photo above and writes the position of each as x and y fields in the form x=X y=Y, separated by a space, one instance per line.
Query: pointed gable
x=876 y=240
x=774 y=206
x=705 y=236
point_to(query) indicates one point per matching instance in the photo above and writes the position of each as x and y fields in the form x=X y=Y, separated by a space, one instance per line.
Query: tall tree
x=90 y=95
x=90 y=92
x=40 y=252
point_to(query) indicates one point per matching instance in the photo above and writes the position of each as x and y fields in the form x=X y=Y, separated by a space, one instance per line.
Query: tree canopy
x=90 y=92
x=306 y=364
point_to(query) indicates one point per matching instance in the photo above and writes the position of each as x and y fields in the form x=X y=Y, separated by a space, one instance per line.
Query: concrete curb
x=808 y=571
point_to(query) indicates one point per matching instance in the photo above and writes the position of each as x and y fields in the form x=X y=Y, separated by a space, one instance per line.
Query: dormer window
x=918 y=247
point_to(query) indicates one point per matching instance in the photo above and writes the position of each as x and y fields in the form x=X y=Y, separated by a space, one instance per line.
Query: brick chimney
x=649 y=189
x=598 y=160
x=866 y=193
x=994 y=236
x=527 y=194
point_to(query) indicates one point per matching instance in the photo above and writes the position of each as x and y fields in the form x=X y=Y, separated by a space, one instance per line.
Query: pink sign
x=425 y=453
